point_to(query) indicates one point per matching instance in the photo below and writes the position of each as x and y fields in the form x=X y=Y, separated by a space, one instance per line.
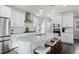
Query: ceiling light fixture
x=64 y=5
x=41 y=10
x=53 y=11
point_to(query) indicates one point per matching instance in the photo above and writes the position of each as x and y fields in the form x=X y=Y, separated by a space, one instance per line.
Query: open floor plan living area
x=39 y=29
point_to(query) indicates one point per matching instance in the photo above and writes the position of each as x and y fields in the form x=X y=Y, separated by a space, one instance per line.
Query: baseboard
x=76 y=39
x=68 y=43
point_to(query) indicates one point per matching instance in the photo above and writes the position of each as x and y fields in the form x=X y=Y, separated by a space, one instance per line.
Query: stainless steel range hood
x=28 y=17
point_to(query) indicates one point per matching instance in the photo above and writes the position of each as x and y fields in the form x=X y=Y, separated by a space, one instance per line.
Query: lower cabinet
x=6 y=46
x=67 y=38
x=1 y=47
x=14 y=42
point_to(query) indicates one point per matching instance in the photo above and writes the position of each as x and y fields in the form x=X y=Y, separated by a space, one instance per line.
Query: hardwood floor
x=71 y=49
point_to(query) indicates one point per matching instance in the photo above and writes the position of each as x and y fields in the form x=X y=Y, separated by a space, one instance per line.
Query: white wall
x=17 y=20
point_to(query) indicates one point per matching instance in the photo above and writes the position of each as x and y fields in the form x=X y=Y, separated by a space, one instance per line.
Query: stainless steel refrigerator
x=5 y=39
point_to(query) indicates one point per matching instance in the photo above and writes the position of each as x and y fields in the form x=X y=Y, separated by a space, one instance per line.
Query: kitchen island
x=27 y=42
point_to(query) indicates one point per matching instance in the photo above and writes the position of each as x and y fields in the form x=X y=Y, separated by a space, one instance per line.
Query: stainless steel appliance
x=56 y=29
x=5 y=41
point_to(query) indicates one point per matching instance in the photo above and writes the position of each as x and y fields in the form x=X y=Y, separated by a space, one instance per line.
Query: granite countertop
x=32 y=37
x=24 y=34
x=35 y=38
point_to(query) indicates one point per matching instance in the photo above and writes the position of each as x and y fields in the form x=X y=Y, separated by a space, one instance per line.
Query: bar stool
x=55 y=44
x=42 y=50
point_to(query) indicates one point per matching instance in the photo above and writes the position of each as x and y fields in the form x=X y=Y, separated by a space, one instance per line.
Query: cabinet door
x=14 y=42
x=64 y=21
x=5 y=11
x=70 y=38
x=1 y=47
x=64 y=38
x=6 y=46
x=57 y=19
x=68 y=20
x=8 y=42
x=67 y=38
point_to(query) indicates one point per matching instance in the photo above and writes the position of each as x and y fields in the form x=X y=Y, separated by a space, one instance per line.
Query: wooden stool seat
x=55 y=44
x=49 y=44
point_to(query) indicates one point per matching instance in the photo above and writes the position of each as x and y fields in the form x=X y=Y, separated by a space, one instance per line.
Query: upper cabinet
x=67 y=20
x=5 y=11
x=57 y=19
x=17 y=18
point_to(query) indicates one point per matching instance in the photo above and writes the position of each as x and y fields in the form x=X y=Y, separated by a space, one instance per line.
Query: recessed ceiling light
x=64 y=5
x=51 y=5
x=48 y=15
x=53 y=11
x=41 y=10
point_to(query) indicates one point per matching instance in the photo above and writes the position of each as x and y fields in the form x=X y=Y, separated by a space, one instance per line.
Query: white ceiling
x=48 y=8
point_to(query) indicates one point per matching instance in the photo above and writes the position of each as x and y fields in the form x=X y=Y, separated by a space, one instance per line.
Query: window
x=77 y=24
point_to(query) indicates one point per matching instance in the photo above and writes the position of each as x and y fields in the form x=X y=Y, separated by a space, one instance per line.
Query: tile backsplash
x=17 y=30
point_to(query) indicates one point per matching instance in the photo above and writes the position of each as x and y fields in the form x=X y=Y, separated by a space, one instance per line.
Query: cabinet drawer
x=5 y=11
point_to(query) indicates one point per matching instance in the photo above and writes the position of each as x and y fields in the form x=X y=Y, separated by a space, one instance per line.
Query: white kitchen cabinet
x=57 y=19
x=17 y=18
x=67 y=38
x=7 y=46
x=7 y=43
x=67 y=20
x=14 y=42
x=5 y=11
x=1 y=47
x=67 y=23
